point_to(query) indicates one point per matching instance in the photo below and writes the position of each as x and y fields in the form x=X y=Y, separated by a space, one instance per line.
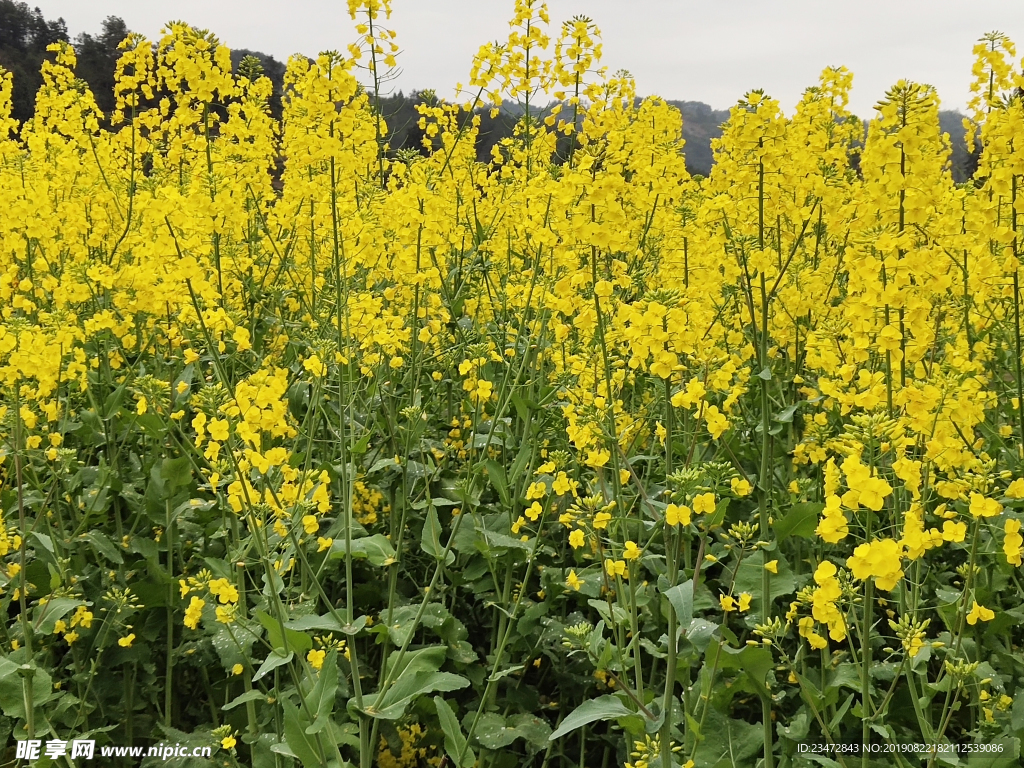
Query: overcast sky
x=711 y=51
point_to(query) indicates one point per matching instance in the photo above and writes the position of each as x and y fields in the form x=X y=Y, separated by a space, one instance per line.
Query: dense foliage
x=328 y=457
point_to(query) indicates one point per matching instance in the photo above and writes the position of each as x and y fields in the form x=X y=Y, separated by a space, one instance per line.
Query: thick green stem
x=763 y=494
x=865 y=653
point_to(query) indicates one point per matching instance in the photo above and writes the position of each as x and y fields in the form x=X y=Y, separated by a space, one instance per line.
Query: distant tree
x=97 y=58
x=272 y=68
x=24 y=35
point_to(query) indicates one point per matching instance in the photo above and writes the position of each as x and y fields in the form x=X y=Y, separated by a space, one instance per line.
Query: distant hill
x=702 y=123
x=964 y=162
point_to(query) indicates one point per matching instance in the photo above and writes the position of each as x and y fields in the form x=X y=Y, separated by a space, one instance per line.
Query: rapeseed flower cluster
x=394 y=395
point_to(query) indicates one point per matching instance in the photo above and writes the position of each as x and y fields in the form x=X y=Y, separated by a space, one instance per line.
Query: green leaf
x=699 y=633
x=531 y=728
x=754 y=660
x=325 y=623
x=104 y=546
x=495 y=732
x=46 y=615
x=297 y=641
x=1017 y=713
x=321 y=698
x=274 y=660
x=496 y=475
x=44 y=547
x=113 y=401
x=492 y=732
x=243 y=698
x=750 y=572
x=454 y=741
x=152 y=425
x=765 y=373
x=377 y=549
x=797 y=729
x=233 y=643
x=730 y=742
x=681 y=598
x=505 y=672
x=614 y=616
x=12 y=695
x=785 y=416
x=410 y=685
x=602 y=708
x=379 y=464
x=841 y=713
x=430 y=538
x=176 y=473
x=493 y=540
x=295 y=736
x=519 y=465
x=521 y=406
x=403 y=620
x=801 y=520
x=427 y=659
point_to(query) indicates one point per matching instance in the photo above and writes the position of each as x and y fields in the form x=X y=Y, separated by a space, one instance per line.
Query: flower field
x=329 y=455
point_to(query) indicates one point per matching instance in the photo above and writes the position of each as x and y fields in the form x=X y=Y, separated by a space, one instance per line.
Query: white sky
x=711 y=51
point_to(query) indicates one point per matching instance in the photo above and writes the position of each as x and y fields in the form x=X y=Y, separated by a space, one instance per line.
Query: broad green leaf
x=699 y=633
x=613 y=617
x=754 y=660
x=233 y=642
x=12 y=694
x=427 y=659
x=176 y=473
x=380 y=464
x=828 y=762
x=454 y=741
x=297 y=641
x=531 y=728
x=519 y=465
x=396 y=699
x=602 y=708
x=785 y=416
x=321 y=698
x=403 y=620
x=295 y=736
x=798 y=728
x=104 y=546
x=326 y=623
x=273 y=661
x=496 y=476
x=44 y=547
x=681 y=598
x=377 y=549
x=729 y=742
x=494 y=540
x=46 y=615
x=801 y=520
x=243 y=698
x=751 y=570
x=495 y=732
x=430 y=538
x=492 y=732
